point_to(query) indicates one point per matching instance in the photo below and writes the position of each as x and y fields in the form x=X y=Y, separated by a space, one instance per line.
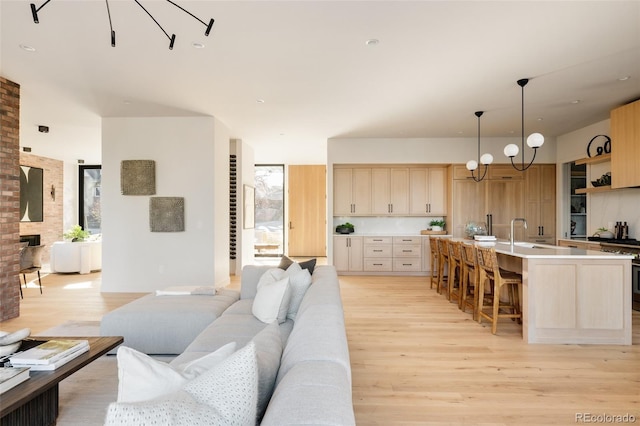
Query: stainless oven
x=635 y=283
x=634 y=250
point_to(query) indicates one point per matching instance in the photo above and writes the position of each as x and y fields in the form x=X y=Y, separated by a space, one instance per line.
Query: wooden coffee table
x=35 y=401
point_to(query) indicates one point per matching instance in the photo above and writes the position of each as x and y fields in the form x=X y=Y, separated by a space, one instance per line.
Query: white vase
x=436 y=228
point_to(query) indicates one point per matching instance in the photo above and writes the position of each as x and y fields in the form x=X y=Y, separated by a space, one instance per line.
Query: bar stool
x=470 y=274
x=490 y=271
x=443 y=263
x=435 y=275
x=455 y=271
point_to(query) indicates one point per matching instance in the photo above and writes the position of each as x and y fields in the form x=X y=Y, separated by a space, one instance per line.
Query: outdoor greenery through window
x=269 y=210
x=90 y=214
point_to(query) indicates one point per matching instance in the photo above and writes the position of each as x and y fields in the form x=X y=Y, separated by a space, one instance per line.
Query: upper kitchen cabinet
x=351 y=191
x=625 y=146
x=541 y=203
x=390 y=191
x=428 y=191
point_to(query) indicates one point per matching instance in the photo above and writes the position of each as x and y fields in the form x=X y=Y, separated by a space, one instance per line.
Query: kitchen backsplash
x=386 y=225
x=607 y=208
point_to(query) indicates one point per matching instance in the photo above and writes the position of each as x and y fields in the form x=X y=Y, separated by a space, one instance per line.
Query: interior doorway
x=307 y=207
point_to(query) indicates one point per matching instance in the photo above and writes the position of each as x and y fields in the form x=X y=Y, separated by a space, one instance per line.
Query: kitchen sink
x=522 y=244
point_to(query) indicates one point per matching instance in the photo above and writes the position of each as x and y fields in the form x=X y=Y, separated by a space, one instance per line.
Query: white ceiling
x=436 y=63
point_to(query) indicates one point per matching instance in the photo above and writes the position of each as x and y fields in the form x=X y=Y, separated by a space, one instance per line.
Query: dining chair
x=30 y=262
x=470 y=277
x=443 y=264
x=435 y=260
x=455 y=271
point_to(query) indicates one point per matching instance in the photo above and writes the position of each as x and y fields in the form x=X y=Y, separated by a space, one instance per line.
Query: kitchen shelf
x=594 y=160
x=604 y=188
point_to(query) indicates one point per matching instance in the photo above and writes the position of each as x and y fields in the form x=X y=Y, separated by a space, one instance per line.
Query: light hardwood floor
x=417 y=360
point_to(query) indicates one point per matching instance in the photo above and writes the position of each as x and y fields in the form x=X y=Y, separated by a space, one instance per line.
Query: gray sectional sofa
x=313 y=383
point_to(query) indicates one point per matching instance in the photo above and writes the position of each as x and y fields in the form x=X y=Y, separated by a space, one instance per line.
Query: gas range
x=623 y=248
x=624 y=242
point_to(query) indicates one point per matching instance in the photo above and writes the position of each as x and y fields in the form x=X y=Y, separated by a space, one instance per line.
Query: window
x=90 y=185
x=269 y=210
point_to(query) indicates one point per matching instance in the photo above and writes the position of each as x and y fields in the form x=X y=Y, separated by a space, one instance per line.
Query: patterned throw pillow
x=225 y=395
x=141 y=378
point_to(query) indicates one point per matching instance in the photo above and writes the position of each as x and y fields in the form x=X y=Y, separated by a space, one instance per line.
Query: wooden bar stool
x=498 y=278
x=435 y=261
x=455 y=271
x=443 y=263
x=470 y=278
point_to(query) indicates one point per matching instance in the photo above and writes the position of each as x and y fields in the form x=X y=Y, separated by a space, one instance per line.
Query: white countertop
x=542 y=251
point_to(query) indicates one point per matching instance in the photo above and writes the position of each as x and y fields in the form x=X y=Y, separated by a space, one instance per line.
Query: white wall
x=246 y=176
x=191 y=156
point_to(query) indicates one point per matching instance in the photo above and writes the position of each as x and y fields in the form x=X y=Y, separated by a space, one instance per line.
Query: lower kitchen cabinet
x=378 y=254
x=347 y=254
x=407 y=254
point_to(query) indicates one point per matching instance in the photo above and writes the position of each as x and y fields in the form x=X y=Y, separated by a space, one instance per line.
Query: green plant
x=348 y=225
x=602 y=229
x=437 y=222
x=76 y=233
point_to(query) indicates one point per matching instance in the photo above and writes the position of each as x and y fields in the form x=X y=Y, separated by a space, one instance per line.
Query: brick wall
x=9 y=199
x=50 y=229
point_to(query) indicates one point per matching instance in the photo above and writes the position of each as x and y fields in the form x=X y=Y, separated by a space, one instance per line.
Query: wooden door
x=307 y=203
x=469 y=204
x=505 y=201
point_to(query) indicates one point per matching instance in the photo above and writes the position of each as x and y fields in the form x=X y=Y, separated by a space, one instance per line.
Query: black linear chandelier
x=535 y=140
x=485 y=159
x=172 y=37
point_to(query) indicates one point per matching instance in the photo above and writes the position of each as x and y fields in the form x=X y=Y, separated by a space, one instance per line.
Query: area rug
x=74 y=328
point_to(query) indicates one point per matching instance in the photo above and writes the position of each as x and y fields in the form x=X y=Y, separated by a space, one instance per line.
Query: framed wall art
x=31 y=188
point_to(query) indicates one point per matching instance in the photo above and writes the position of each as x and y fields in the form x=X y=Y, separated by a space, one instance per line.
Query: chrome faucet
x=511 y=237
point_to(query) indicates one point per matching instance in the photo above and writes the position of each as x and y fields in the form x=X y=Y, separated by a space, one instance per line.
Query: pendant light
x=485 y=159
x=172 y=37
x=535 y=140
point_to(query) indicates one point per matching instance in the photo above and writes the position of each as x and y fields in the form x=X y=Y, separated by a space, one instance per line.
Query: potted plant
x=345 y=228
x=437 y=224
x=603 y=233
x=76 y=234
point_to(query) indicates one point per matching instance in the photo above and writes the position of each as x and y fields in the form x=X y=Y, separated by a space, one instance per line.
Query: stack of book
x=50 y=354
x=12 y=376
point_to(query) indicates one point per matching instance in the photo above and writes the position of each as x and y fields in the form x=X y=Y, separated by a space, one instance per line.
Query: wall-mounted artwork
x=249 y=201
x=138 y=177
x=31 y=203
x=166 y=214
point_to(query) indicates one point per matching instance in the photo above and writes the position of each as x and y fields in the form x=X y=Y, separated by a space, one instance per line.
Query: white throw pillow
x=272 y=301
x=299 y=282
x=225 y=395
x=142 y=378
x=271 y=275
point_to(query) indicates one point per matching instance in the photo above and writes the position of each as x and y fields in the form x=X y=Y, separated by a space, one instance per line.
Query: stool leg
x=496 y=308
x=39 y=282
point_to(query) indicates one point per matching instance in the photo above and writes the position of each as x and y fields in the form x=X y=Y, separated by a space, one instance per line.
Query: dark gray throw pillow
x=285 y=262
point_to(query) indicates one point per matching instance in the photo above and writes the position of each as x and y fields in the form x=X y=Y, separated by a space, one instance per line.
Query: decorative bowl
x=9 y=349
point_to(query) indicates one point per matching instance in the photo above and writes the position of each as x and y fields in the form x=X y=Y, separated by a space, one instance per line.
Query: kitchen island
x=571 y=295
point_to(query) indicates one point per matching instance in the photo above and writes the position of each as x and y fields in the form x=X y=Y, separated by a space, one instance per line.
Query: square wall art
x=166 y=214
x=138 y=177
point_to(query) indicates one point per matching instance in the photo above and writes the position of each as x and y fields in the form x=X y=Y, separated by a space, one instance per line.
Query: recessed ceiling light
x=372 y=42
x=260 y=101
x=575 y=101
x=197 y=45
x=540 y=118
x=27 y=48
x=624 y=78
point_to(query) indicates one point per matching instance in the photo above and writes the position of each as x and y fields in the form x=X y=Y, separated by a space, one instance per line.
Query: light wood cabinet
x=378 y=254
x=390 y=191
x=625 y=146
x=541 y=203
x=347 y=254
x=428 y=191
x=500 y=195
x=586 y=245
x=407 y=254
x=351 y=191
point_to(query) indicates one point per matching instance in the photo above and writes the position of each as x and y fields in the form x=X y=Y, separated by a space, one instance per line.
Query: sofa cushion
x=165 y=324
x=141 y=378
x=272 y=300
x=314 y=392
x=268 y=352
x=226 y=395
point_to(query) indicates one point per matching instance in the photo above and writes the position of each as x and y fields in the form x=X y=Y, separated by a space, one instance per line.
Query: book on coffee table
x=50 y=354
x=12 y=376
